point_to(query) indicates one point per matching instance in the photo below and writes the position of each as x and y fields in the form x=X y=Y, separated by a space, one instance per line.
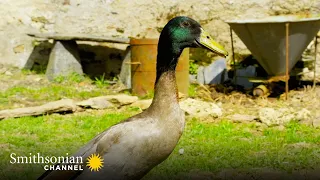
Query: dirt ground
x=232 y=102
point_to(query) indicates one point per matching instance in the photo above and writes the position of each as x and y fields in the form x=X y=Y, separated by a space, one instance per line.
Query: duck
x=131 y=148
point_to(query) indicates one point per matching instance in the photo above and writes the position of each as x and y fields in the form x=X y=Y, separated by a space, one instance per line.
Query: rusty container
x=143 y=67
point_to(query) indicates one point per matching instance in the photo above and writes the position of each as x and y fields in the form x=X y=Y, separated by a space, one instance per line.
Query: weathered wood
x=79 y=37
x=65 y=105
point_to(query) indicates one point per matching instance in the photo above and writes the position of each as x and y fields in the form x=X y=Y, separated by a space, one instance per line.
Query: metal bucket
x=143 y=67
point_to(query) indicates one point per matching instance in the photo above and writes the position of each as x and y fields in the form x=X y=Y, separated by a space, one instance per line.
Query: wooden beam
x=79 y=37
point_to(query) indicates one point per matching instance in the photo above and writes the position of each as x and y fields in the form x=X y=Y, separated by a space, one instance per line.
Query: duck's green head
x=182 y=32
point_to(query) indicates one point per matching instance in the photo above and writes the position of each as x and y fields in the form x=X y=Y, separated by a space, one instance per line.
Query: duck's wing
x=100 y=144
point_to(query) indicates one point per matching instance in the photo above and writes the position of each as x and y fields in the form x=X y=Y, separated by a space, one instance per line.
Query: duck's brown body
x=132 y=148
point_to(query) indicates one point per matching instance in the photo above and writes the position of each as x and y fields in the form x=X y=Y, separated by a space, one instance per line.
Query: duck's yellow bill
x=207 y=41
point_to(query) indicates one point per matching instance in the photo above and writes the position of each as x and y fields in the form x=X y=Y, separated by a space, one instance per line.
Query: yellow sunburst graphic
x=95 y=162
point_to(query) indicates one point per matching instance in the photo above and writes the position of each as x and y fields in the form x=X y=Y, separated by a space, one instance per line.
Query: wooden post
x=233 y=60
x=315 y=61
x=287 y=60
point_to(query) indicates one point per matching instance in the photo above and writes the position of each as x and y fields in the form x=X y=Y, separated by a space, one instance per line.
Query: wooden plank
x=79 y=37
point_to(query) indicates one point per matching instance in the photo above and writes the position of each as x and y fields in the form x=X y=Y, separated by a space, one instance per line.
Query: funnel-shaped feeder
x=266 y=39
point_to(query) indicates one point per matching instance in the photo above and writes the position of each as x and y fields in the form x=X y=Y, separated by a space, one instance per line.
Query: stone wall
x=139 y=18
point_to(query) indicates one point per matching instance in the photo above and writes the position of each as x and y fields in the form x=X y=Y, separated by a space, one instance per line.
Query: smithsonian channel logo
x=60 y=163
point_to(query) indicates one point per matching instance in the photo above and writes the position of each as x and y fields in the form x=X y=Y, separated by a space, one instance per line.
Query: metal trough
x=266 y=39
x=277 y=42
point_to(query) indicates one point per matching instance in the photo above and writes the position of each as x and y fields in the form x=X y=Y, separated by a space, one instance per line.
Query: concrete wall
x=136 y=18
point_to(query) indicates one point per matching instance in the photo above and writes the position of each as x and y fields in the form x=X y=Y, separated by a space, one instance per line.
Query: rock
x=181 y=151
x=61 y=106
x=3 y=70
x=239 y=118
x=243 y=74
x=303 y=114
x=200 y=75
x=121 y=99
x=181 y=96
x=216 y=72
x=280 y=128
x=125 y=73
x=8 y=73
x=282 y=116
x=316 y=122
x=19 y=48
x=308 y=122
x=96 y=103
x=142 y=104
x=64 y=60
x=268 y=115
x=38 y=79
x=200 y=109
x=192 y=78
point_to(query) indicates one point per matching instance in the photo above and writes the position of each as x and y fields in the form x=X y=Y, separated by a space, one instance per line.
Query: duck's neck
x=165 y=90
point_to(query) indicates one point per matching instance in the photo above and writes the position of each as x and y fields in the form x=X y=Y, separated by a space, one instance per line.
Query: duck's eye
x=185 y=24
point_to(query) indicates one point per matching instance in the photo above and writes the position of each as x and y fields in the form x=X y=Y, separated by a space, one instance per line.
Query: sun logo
x=95 y=162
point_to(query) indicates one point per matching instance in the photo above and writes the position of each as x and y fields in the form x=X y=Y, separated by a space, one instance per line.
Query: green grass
x=73 y=77
x=52 y=92
x=207 y=146
x=214 y=147
x=101 y=81
x=192 y=91
x=73 y=86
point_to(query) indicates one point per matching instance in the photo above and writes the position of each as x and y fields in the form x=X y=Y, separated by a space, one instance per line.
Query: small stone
x=307 y=122
x=200 y=76
x=219 y=104
x=181 y=95
x=142 y=104
x=280 y=128
x=18 y=49
x=243 y=75
x=192 y=78
x=305 y=70
x=216 y=72
x=282 y=116
x=303 y=114
x=267 y=116
x=316 y=122
x=38 y=79
x=3 y=70
x=200 y=109
x=96 y=103
x=181 y=151
x=238 y=118
x=8 y=73
x=121 y=99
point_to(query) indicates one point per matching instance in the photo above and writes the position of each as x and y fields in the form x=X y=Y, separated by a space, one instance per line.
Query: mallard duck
x=131 y=148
